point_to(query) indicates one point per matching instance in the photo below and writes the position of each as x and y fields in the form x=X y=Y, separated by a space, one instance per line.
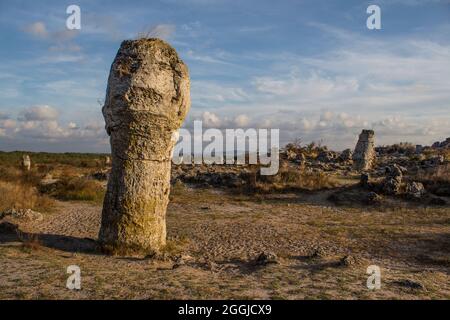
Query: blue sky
x=310 y=68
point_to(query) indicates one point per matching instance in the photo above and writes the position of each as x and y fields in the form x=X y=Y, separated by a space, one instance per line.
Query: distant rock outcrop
x=147 y=99
x=393 y=180
x=364 y=154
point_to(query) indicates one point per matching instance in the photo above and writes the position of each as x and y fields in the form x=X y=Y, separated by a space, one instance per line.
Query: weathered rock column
x=147 y=99
x=364 y=154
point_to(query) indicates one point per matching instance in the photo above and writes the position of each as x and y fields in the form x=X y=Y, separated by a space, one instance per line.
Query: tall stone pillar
x=147 y=99
x=364 y=154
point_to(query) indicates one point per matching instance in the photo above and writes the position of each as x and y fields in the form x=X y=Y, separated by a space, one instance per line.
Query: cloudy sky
x=308 y=67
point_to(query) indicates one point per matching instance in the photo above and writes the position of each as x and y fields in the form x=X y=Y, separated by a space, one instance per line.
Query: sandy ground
x=219 y=236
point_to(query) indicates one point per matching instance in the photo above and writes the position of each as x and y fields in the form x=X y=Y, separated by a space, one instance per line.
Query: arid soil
x=214 y=238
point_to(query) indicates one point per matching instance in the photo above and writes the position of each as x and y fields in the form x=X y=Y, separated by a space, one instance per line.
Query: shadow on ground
x=10 y=233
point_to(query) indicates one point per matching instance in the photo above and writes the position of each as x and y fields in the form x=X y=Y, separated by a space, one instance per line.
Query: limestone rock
x=26 y=162
x=318 y=252
x=25 y=214
x=392 y=185
x=147 y=99
x=347 y=261
x=415 y=190
x=394 y=178
x=364 y=154
x=291 y=155
x=265 y=258
x=395 y=170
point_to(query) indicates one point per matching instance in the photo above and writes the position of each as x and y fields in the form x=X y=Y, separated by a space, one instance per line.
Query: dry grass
x=446 y=154
x=408 y=244
x=79 y=189
x=437 y=180
x=439 y=174
x=310 y=150
x=290 y=179
x=22 y=196
x=9 y=173
x=18 y=189
x=23 y=190
x=402 y=147
x=81 y=160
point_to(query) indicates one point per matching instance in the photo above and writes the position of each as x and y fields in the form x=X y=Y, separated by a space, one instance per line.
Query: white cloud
x=205 y=58
x=41 y=124
x=211 y=120
x=399 y=87
x=337 y=130
x=73 y=126
x=242 y=120
x=210 y=94
x=48 y=129
x=8 y=124
x=39 y=113
x=65 y=47
x=61 y=40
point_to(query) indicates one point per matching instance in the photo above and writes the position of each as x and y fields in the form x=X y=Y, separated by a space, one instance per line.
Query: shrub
x=437 y=174
x=80 y=189
x=436 y=181
x=21 y=196
x=289 y=179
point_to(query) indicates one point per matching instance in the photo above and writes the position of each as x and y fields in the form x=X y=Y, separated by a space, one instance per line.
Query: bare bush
x=80 y=189
x=22 y=196
x=290 y=179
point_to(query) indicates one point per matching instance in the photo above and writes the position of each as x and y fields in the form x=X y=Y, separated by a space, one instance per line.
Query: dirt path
x=75 y=219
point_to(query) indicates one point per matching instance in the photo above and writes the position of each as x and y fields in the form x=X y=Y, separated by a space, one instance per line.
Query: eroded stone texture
x=364 y=154
x=394 y=179
x=415 y=189
x=147 y=99
x=26 y=162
